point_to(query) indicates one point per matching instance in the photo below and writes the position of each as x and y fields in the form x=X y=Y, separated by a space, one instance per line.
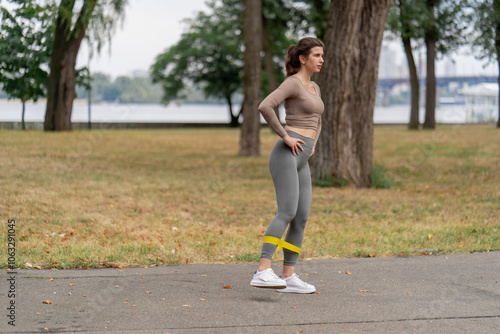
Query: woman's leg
x=283 y=167
x=295 y=232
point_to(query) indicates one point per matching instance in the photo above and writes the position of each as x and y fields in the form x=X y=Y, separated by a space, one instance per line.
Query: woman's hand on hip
x=293 y=143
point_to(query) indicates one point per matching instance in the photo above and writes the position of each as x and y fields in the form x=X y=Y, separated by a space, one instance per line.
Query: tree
x=280 y=20
x=249 y=140
x=25 y=39
x=445 y=29
x=405 y=20
x=348 y=83
x=486 y=39
x=97 y=20
x=209 y=54
x=317 y=16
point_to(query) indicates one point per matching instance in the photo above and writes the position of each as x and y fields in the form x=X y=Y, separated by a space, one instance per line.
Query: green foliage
x=486 y=37
x=380 y=179
x=447 y=21
x=451 y=25
x=137 y=89
x=406 y=19
x=331 y=182
x=25 y=41
x=314 y=17
x=210 y=52
x=98 y=19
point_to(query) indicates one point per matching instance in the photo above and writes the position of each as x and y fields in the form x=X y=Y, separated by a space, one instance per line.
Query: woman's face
x=315 y=60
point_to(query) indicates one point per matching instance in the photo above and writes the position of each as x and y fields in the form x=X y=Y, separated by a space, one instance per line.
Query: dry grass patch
x=143 y=197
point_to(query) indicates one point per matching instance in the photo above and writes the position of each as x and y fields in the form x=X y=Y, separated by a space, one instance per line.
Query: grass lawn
x=175 y=196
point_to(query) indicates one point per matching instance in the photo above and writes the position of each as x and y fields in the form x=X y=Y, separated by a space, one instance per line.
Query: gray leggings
x=292 y=182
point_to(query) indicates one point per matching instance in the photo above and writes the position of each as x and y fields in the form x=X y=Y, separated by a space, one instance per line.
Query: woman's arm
x=286 y=90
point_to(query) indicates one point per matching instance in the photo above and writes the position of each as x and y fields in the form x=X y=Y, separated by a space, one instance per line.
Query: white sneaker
x=267 y=279
x=295 y=285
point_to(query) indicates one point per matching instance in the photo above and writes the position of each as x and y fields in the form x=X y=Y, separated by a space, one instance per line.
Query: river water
x=10 y=111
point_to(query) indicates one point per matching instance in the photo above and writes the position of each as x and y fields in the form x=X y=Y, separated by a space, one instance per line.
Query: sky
x=151 y=26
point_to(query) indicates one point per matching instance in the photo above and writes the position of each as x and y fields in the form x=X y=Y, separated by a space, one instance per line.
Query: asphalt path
x=457 y=293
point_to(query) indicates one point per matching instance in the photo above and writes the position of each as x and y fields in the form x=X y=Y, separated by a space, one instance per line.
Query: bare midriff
x=309 y=133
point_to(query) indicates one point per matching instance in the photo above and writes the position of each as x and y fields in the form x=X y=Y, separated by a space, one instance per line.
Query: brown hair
x=303 y=48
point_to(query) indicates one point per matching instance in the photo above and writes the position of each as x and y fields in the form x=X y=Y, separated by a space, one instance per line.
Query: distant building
x=386 y=63
x=481 y=103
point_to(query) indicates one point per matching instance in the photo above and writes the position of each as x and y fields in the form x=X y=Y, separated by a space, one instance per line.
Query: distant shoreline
x=84 y=102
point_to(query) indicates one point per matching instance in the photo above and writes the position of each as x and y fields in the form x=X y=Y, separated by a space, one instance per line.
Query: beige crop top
x=303 y=109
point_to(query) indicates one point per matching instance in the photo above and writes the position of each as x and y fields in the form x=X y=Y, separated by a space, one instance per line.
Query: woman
x=288 y=163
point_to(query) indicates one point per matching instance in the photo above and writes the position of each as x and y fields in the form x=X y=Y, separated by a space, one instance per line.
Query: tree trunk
x=250 y=129
x=23 y=125
x=430 y=91
x=272 y=81
x=61 y=89
x=234 y=119
x=415 y=86
x=348 y=81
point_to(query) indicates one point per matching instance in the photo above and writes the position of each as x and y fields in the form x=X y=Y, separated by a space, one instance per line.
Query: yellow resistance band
x=281 y=243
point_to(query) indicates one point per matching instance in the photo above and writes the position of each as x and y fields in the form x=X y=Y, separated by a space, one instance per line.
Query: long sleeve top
x=303 y=109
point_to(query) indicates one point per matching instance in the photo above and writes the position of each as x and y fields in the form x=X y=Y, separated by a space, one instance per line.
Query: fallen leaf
x=148 y=291
x=37 y=313
x=348 y=272
x=318 y=292
x=187 y=261
x=50 y=280
x=69 y=293
x=203 y=275
x=186 y=305
x=133 y=305
x=47 y=302
x=202 y=299
x=85 y=295
x=125 y=302
x=143 y=277
x=121 y=270
x=363 y=291
x=408 y=293
x=46 y=329
x=71 y=284
x=227 y=287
